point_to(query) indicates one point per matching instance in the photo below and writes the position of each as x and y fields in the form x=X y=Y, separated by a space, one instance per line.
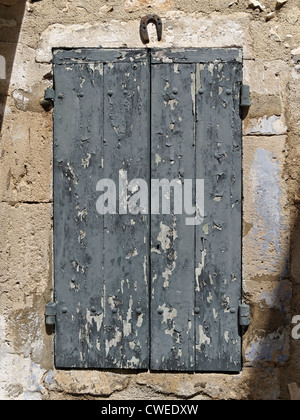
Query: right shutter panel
x=196 y=279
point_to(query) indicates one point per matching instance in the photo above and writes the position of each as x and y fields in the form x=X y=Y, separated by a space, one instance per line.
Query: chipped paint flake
x=209 y=298
x=127 y=325
x=133 y=362
x=167 y=274
x=140 y=321
x=169 y=314
x=85 y=162
x=97 y=319
x=198 y=270
x=215 y=313
x=203 y=338
x=74 y=178
x=157 y=159
x=133 y=253
x=176 y=68
x=81 y=236
x=113 y=342
x=173 y=104
x=145 y=267
x=164 y=236
x=82 y=215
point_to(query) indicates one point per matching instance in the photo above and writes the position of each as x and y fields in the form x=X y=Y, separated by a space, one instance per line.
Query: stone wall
x=269 y=33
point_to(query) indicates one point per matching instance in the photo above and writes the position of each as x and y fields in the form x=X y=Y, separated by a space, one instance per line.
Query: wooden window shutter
x=160 y=290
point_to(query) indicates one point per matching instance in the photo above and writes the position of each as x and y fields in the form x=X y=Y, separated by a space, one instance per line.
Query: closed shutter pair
x=142 y=138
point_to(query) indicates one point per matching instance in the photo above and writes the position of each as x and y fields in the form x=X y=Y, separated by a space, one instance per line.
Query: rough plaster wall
x=269 y=34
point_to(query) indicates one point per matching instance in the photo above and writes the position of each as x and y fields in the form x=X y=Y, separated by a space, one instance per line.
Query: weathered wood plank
x=98 y=55
x=101 y=262
x=196 y=55
x=218 y=244
x=126 y=236
x=172 y=241
x=78 y=229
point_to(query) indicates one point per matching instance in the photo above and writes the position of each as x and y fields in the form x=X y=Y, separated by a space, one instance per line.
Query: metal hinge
x=50 y=313
x=245 y=96
x=244 y=315
x=48 y=100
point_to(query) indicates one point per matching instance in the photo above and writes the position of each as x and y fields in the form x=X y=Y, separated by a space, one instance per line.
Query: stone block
x=26 y=156
x=25 y=251
x=179 y=31
x=97 y=384
x=266 y=214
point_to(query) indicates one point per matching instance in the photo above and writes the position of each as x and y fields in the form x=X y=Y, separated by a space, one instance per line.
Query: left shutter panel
x=100 y=261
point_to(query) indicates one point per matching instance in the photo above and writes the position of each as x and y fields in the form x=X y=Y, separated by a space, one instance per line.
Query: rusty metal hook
x=144 y=27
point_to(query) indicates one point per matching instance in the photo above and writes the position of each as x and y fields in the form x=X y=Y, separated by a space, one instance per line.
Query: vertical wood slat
x=126 y=236
x=172 y=241
x=218 y=243
x=77 y=269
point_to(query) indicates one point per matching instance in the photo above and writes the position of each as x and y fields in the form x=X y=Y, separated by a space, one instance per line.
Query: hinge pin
x=48 y=100
x=244 y=315
x=50 y=313
x=245 y=96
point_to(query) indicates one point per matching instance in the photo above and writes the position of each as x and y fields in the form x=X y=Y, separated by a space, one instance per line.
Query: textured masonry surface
x=268 y=32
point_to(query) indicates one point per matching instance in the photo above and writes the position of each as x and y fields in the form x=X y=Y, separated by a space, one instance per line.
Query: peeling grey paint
x=97 y=131
x=218 y=243
x=105 y=101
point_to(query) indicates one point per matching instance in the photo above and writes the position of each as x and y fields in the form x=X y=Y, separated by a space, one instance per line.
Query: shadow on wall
x=11 y=16
x=269 y=347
